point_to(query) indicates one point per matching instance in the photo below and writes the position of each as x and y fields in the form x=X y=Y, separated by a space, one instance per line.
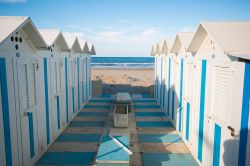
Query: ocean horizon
x=123 y=62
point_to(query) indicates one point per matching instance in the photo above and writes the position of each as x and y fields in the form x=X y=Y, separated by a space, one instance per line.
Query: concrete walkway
x=153 y=140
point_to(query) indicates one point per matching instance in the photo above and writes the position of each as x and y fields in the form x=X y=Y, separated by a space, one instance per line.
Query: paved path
x=153 y=140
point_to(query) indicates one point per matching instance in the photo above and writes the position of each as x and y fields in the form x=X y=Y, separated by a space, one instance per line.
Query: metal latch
x=27 y=113
x=232 y=130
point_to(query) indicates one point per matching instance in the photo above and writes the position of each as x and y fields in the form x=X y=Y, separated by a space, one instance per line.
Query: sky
x=125 y=27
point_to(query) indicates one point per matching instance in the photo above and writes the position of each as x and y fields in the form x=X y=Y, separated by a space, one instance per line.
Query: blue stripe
x=87 y=78
x=98 y=106
x=78 y=81
x=66 y=83
x=169 y=74
x=73 y=99
x=161 y=85
x=173 y=106
x=143 y=101
x=5 y=109
x=163 y=97
x=181 y=82
x=244 y=117
x=103 y=114
x=31 y=134
x=202 y=108
x=187 y=121
x=217 y=140
x=83 y=92
x=58 y=112
x=89 y=86
x=46 y=99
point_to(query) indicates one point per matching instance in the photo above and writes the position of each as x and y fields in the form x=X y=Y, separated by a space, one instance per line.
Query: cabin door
x=27 y=86
x=188 y=104
x=221 y=139
x=72 y=86
x=56 y=66
x=83 y=80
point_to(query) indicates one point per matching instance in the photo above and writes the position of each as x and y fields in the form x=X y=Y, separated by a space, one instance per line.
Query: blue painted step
x=98 y=106
x=93 y=114
x=67 y=158
x=150 y=114
x=87 y=124
x=165 y=159
x=146 y=106
x=78 y=138
x=154 y=124
x=159 y=138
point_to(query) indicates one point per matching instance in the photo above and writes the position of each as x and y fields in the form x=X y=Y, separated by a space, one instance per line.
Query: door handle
x=232 y=130
x=27 y=113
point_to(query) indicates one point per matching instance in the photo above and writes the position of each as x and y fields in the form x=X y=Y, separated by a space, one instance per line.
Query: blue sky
x=125 y=27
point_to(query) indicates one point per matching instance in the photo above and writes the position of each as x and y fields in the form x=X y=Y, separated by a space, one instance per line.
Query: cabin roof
x=54 y=35
x=93 y=52
x=72 y=42
x=167 y=45
x=182 y=39
x=232 y=37
x=84 y=45
x=12 y=24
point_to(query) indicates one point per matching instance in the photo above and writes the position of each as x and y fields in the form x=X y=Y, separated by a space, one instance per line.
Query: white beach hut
x=22 y=131
x=222 y=88
x=158 y=71
x=89 y=83
x=83 y=71
x=185 y=86
x=73 y=70
x=168 y=72
x=153 y=49
x=55 y=65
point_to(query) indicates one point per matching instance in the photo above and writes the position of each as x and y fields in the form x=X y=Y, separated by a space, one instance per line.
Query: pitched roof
x=72 y=42
x=92 y=51
x=54 y=35
x=232 y=37
x=167 y=45
x=182 y=39
x=84 y=45
x=11 y=24
x=152 y=53
x=158 y=49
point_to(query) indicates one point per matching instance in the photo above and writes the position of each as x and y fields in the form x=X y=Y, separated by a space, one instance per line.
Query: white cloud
x=78 y=27
x=187 y=29
x=13 y=1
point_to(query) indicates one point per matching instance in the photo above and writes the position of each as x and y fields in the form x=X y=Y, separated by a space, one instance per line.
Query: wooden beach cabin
x=83 y=72
x=22 y=105
x=221 y=51
x=185 y=87
x=73 y=76
x=56 y=80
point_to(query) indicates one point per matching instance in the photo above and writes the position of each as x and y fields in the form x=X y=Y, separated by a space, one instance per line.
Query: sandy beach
x=124 y=79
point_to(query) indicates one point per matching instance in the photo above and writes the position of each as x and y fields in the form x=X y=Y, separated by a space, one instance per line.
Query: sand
x=124 y=79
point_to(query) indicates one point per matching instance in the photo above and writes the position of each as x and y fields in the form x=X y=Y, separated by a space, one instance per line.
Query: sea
x=123 y=62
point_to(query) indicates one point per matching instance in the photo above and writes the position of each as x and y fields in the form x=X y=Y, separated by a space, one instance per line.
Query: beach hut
x=88 y=67
x=73 y=74
x=222 y=92
x=158 y=71
x=153 y=49
x=168 y=43
x=185 y=86
x=55 y=73
x=83 y=71
x=22 y=130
